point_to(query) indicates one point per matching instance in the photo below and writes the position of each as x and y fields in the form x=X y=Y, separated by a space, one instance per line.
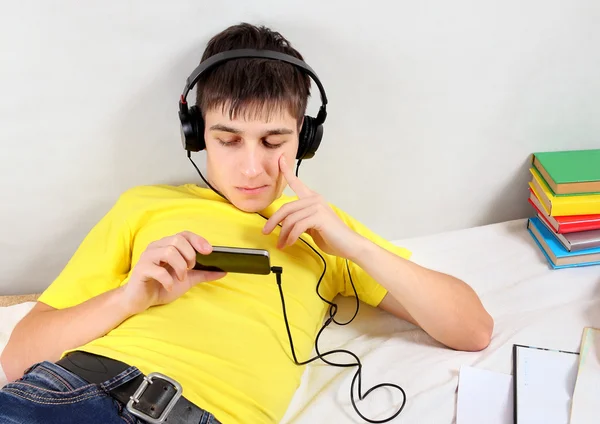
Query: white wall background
x=434 y=108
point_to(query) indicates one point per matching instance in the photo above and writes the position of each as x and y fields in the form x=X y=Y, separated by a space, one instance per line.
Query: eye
x=227 y=143
x=272 y=145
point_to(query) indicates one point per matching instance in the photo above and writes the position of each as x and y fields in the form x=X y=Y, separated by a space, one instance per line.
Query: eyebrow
x=275 y=131
x=220 y=127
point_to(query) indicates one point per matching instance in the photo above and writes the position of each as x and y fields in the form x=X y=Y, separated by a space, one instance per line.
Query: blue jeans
x=49 y=394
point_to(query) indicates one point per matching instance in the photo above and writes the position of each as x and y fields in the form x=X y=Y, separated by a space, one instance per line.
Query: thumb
x=198 y=276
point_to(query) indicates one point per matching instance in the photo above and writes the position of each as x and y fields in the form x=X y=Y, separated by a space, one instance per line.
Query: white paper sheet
x=586 y=397
x=545 y=383
x=484 y=397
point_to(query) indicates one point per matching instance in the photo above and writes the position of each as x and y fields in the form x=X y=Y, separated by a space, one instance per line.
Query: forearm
x=445 y=307
x=45 y=335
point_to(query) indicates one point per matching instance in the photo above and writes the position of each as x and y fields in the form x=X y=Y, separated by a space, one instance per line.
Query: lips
x=252 y=189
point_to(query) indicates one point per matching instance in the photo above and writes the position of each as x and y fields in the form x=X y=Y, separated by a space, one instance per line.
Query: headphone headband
x=192 y=123
x=253 y=53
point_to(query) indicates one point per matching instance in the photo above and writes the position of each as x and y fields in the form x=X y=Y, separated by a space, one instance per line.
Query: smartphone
x=235 y=259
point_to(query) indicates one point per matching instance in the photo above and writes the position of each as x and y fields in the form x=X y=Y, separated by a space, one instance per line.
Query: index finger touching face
x=294 y=182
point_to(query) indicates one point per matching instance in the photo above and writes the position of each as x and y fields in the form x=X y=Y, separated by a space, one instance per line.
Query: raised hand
x=312 y=215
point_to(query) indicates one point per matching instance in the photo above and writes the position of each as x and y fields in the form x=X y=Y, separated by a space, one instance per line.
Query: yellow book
x=588 y=204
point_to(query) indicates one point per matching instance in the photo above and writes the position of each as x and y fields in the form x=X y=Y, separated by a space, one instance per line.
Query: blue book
x=555 y=252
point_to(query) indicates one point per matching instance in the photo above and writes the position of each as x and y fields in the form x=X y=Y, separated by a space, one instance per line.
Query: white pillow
x=9 y=317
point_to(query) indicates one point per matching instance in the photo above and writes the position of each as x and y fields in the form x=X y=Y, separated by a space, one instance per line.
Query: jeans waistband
x=73 y=380
x=152 y=397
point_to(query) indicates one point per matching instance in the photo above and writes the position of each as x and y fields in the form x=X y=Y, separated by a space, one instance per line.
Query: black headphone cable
x=189 y=155
x=333 y=309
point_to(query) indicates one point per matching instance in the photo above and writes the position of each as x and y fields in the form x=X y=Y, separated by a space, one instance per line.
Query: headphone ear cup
x=192 y=130
x=198 y=125
x=187 y=130
x=302 y=137
x=309 y=138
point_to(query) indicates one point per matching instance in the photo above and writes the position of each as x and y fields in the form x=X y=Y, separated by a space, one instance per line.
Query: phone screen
x=236 y=260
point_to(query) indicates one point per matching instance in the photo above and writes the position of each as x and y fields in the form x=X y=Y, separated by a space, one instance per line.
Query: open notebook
x=544 y=381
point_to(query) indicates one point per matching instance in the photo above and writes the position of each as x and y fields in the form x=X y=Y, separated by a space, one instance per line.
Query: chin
x=251 y=203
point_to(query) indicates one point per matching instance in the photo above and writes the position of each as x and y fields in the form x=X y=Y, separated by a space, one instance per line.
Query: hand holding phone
x=163 y=273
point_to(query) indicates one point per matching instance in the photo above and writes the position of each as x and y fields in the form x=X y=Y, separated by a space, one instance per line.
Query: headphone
x=192 y=123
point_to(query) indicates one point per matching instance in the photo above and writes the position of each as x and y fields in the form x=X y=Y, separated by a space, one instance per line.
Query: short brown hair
x=253 y=87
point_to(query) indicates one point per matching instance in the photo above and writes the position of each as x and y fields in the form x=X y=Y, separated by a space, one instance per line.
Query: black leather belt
x=152 y=398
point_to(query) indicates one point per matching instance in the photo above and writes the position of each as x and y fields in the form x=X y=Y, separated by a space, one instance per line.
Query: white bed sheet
x=531 y=304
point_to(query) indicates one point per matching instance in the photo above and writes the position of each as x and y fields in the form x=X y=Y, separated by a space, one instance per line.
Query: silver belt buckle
x=140 y=391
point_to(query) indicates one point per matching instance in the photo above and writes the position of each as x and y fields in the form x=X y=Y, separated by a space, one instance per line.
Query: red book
x=565 y=224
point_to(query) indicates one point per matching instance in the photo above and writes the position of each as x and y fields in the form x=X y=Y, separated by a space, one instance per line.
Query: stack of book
x=565 y=193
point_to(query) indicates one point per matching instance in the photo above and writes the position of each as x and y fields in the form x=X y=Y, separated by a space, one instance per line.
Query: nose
x=252 y=162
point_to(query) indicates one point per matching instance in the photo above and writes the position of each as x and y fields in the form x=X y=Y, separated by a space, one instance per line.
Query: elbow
x=481 y=342
x=13 y=360
x=473 y=338
x=481 y=336
x=8 y=365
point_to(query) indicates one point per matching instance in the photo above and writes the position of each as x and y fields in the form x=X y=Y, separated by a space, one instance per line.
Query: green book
x=570 y=172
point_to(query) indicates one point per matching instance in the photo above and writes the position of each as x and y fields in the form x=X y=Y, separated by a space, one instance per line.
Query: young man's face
x=243 y=156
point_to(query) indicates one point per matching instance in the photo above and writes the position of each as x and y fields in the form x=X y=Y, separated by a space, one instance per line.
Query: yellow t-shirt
x=224 y=341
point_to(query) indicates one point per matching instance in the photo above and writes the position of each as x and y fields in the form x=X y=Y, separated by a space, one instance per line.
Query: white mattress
x=531 y=303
